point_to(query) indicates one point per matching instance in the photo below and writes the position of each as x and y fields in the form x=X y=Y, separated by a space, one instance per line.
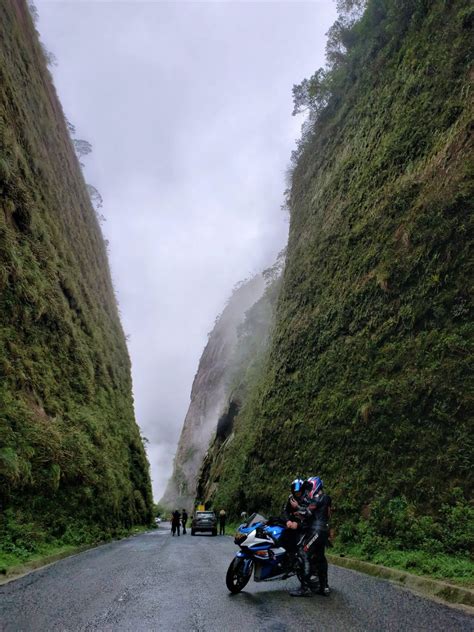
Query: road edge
x=16 y=572
x=450 y=594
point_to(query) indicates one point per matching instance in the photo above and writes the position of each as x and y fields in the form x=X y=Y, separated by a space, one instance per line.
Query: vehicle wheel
x=238 y=575
x=193 y=532
x=214 y=532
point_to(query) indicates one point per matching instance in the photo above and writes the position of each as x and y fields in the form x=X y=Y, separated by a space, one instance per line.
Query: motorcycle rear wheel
x=235 y=578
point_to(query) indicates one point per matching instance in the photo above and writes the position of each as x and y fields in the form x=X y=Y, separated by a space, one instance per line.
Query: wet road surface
x=158 y=582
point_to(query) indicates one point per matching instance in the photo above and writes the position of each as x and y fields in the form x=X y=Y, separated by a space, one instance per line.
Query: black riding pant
x=312 y=552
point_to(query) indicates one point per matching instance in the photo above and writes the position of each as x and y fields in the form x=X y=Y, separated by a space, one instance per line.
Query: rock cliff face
x=247 y=364
x=208 y=395
x=72 y=462
x=368 y=380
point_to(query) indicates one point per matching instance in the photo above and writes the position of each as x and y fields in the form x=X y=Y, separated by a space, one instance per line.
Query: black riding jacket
x=317 y=513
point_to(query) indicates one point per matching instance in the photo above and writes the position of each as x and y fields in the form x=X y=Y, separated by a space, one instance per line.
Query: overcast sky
x=188 y=108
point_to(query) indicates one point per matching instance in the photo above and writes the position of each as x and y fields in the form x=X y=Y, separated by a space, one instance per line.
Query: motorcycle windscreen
x=255 y=518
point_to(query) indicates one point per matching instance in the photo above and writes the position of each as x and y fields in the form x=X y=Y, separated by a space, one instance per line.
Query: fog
x=188 y=108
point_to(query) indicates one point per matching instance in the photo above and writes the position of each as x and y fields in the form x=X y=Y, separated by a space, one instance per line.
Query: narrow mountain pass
x=158 y=582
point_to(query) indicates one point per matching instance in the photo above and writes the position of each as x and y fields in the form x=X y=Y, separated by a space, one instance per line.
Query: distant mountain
x=209 y=393
x=245 y=369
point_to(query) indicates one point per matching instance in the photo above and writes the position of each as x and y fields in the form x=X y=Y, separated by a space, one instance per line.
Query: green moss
x=369 y=376
x=70 y=450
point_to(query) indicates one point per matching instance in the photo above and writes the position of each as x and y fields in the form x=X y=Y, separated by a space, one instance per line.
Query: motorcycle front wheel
x=238 y=574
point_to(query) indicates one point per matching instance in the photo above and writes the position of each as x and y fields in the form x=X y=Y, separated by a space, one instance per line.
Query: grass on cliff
x=369 y=379
x=71 y=456
x=394 y=534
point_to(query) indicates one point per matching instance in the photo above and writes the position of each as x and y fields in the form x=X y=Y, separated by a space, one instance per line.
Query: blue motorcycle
x=261 y=553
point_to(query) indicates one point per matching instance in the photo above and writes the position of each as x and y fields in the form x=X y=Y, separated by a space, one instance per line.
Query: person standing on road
x=297 y=501
x=184 y=519
x=222 y=517
x=175 y=522
x=315 y=522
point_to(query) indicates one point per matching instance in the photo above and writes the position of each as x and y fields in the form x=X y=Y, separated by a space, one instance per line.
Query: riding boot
x=323 y=584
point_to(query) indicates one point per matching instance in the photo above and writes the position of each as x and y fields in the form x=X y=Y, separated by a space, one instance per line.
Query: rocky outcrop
x=210 y=389
x=247 y=366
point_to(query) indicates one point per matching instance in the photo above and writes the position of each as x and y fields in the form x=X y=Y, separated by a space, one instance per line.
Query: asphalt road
x=158 y=582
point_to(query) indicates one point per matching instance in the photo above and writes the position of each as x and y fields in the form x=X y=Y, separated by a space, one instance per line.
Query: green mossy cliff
x=211 y=386
x=72 y=462
x=369 y=376
x=245 y=368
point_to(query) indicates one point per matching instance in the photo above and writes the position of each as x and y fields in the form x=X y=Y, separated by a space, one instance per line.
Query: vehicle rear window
x=204 y=514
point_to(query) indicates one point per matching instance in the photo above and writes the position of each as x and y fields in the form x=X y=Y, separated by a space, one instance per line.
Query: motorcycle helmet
x=297 y=486
x=315 y=484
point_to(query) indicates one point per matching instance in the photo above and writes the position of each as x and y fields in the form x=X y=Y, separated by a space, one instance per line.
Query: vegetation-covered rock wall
x=211 y=386
x=72 y=462
x=245 y=369
x=369 y=377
